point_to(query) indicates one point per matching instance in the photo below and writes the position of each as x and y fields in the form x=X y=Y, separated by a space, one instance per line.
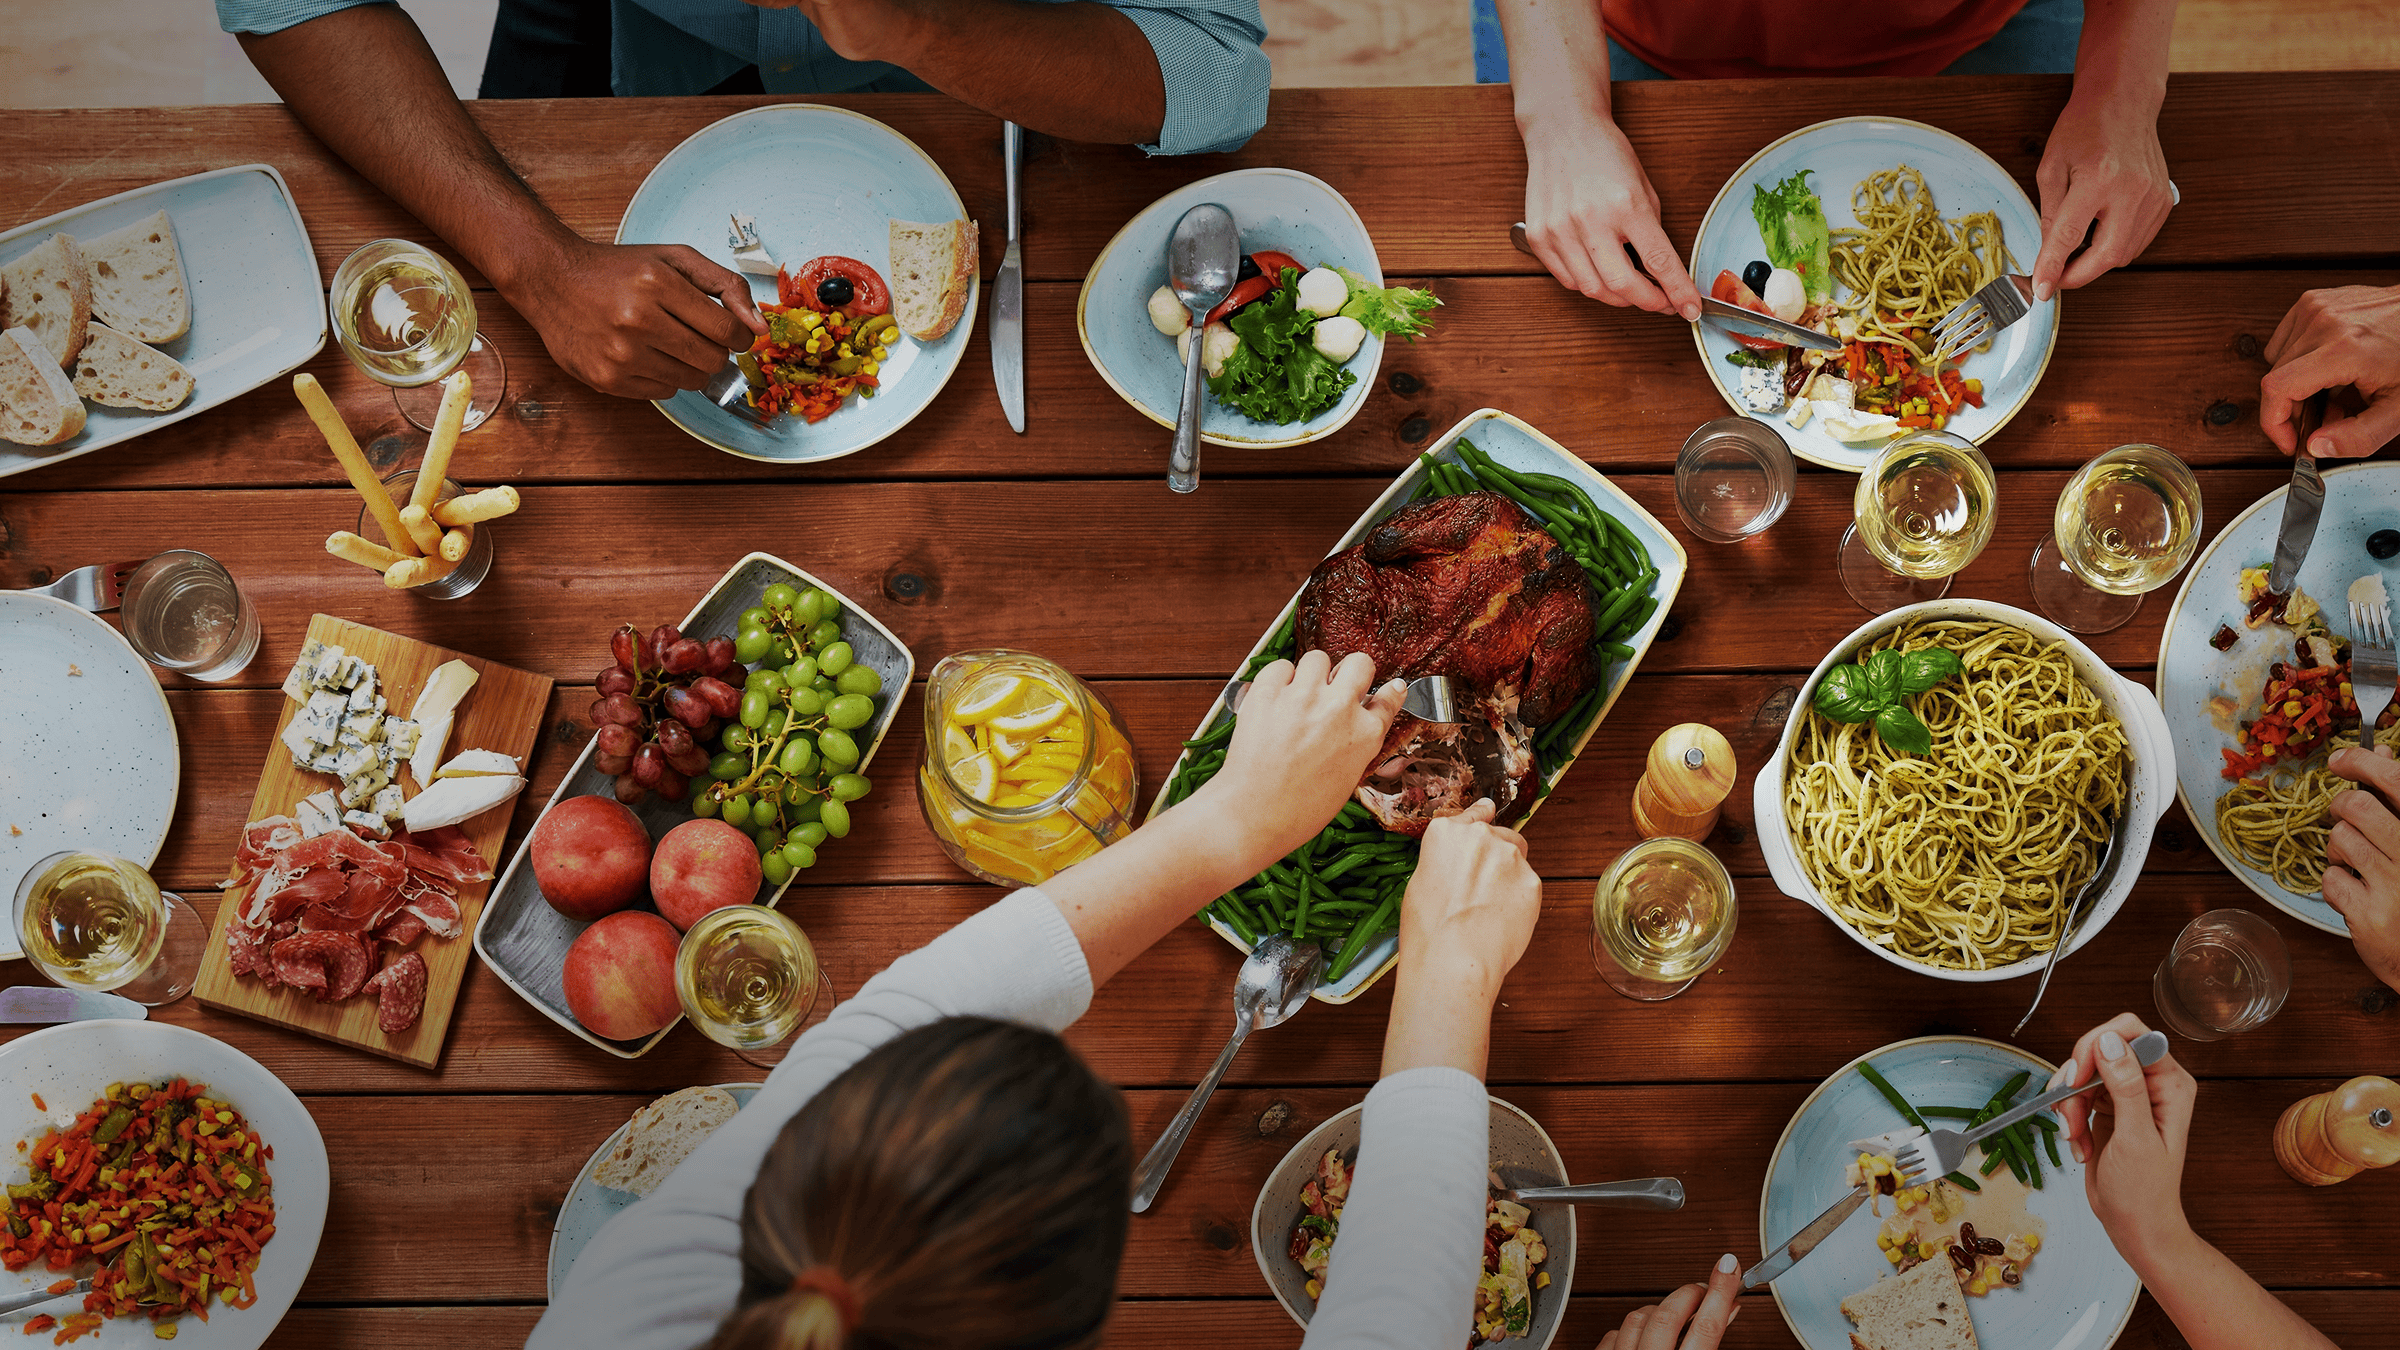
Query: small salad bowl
x=1279 y=209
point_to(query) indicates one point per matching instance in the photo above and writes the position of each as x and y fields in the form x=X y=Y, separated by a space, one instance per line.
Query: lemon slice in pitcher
x=1043 y=710
x=988 y=698
x=977 y=776
x=957 y=743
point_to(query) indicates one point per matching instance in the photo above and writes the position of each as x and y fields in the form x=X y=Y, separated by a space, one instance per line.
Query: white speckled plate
x=87 y=761
x=821 y=181
x=70 y=1065
x=589 y=1204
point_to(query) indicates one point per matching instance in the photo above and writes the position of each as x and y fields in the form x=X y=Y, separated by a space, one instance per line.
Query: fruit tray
x=1515 y=445
x=525 y=941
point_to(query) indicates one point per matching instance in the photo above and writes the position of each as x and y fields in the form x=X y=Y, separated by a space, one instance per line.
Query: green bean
x=1361 y=936
x=1232 y=920
x=1949 y=1112
x=1618 y=650
x=1962 y=1179
x=1626 y=600
x=1352 y=814
x=1867 y=1070
x=2050 y=1142
x=2043 y=1123
x=1993 y=1157
x=1633 y=622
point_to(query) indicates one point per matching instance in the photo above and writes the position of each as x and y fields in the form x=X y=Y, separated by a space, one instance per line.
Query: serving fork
x=730 y=389
x=1949 y=1147
x=2002 y=301
x=2373 y=671
x=97 y=587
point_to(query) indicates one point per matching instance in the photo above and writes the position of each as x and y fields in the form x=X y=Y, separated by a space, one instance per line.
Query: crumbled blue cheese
x=318 y=813
x=367 y=821
x=360 y=788
x=1762 y=388
x=388 y=802
x=400 y=734
x=366 y=726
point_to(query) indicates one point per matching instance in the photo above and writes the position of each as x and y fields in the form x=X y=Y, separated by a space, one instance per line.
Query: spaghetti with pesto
x=1904 y=267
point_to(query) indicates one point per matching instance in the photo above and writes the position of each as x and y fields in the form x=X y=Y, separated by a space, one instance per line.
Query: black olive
x=1247 y=270
x=2383 y=543
x=836 y=291
x=1755 y=277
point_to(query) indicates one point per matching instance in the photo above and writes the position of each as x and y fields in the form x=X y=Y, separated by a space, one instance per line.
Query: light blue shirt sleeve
x=1216 y=76
x=273 y=16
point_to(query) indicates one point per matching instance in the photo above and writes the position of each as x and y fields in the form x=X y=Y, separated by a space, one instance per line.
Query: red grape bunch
x=665 y=697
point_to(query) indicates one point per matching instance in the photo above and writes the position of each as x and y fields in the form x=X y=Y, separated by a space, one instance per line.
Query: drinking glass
x=92 y=921
x=1924 y=508
x=405 y=316
x=2227 y=972
x=1733 y=479
x=2126 y=523
x=749 y=979
x=182 y=611
x=1663 y=914
x=471 y=569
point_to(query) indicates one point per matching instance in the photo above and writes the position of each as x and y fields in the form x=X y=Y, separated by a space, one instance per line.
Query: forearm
x=1557 y=62
x=1441 y=1014
x=2122 y=54
x=2215 y=1303
x=1033 y=64
x=1129 y=895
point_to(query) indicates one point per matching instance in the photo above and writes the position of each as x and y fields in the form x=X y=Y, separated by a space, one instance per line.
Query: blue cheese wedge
x=373 y=825
x=366 y=726
x=360 y=788
x=318 y=814
x=388 y=802
x=1762 y=388
x=400 y=734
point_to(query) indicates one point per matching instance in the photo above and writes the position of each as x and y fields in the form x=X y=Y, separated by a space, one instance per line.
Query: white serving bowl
x=2149 y=747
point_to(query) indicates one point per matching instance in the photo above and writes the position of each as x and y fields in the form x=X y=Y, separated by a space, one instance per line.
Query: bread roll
x=137 y=281
x=122 y=373
x=37 y=404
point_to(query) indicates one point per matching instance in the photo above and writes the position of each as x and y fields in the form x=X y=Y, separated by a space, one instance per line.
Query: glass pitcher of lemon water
x=1026 y=770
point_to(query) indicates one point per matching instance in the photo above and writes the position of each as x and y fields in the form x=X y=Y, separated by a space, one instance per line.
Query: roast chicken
x=1472 y=588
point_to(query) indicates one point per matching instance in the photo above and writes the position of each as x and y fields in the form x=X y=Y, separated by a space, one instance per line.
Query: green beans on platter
x=2012 y=1148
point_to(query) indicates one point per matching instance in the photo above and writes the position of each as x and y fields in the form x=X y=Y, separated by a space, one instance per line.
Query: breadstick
x=457 y=389
x=419 y=523
x=365 y=552
x=416 y=572
x=353 y=461
x=456 y=543
x=489 y=504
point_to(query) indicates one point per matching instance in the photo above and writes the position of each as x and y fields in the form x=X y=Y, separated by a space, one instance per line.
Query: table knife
x=23 y=1003
x=2303 y=503
x=1806 y=1240
x=1748 y=322
x=1008 y=295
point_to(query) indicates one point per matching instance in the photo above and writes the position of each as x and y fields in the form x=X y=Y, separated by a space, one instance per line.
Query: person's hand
x=1586 y=198
x=1708 y=1309
x=2131 y=1132
x=636 y=320
x=2104 y=174
x=1472 y=903
x=2362 y=878
x=1300 y=745
x=2349 y=335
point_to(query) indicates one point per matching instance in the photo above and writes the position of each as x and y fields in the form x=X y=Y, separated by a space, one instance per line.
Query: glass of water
x=1733 y=479
x=182 y=611
x=471 y=569
x=2227 y=972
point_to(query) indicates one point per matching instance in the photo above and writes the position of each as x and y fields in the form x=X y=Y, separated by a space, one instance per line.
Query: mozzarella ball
x=1216 y=343
x=1784 y=294
x=1167 y=313
x=1322 y=291
x=1338 y=338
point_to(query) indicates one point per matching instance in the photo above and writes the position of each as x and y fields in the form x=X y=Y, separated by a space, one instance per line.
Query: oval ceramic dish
x=1276 y=208
x=589 y=1204
x=1840 y=154
x=2078 y=1293
x=820 y=181
x=2149 y=747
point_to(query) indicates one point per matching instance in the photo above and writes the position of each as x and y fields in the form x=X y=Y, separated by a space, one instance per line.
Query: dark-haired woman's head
x=962 y=1187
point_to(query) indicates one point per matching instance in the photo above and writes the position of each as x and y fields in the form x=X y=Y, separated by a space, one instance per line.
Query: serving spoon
x=1274 y=983
x=1204 y=257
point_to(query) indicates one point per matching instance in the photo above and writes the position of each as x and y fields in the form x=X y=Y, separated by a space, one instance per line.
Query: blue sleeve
x=273 y=16
x=1216 y=76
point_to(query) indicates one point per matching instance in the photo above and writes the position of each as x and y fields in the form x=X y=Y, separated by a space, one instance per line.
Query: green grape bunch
x=784 y=768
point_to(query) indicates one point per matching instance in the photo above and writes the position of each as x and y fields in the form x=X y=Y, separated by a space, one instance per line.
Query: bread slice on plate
x=137 y=281
x=661 y=1135
x=933 y=266
x=37 y=404
x=122 y=373
x=50 y=292
x=1923 y=1309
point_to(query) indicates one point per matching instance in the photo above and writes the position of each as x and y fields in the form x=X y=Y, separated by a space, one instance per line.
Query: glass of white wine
x=1924 y=507
x=749 y=979
x=405 y=316
x=1662 y=914
x=90 y=921
x=2126 y=523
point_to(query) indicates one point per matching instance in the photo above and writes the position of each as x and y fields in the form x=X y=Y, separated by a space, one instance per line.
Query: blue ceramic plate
x=821 y=181
x=1841 y=154
x=2359 y=500
x=2077 y=1293
x=1276 y=208
x=589 y=1204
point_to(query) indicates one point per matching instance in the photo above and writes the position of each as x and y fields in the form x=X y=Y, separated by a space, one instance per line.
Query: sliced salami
x=332 y=966
x=399 y=994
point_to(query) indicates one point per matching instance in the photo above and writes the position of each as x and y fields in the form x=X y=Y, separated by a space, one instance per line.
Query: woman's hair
x=964 y=1185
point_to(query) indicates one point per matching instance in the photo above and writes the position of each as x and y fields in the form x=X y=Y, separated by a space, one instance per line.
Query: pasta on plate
x=1905 y=266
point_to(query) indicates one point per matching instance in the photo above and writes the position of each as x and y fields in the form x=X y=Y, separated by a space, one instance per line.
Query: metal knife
x=2302 y=503
x=1008 y=295
x=23 y=1003
x=1806 y=1240
x=1745 y=321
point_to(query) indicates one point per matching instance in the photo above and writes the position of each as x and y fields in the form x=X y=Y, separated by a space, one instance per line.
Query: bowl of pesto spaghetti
x=1951 y=833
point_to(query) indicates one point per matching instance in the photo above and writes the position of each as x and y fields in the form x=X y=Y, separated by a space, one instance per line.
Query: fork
x=99 y=586
x=2002 y=301
x=730 y=388
x=2373 y=672
x=1949 y=1147
x=34 y=1298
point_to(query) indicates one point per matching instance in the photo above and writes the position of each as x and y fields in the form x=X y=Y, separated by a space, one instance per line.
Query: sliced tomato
x=1244 y=292
x=1271 y=263
x=1729 y=288
x=868 y=293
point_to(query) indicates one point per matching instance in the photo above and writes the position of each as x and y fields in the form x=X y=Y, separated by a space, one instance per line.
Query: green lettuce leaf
x=1792 y=222
x=1394 y=310
x=1278 y=375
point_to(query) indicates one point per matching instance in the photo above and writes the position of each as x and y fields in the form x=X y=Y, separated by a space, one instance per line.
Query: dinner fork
x=730 y=388
x=1949 y=1147
x=2002 y=301
x=2373 y=671
x=33 y=1298
x=97 y=587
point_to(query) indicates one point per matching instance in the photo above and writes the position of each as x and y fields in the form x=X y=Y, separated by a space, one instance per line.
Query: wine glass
x=96 y=922
x=1923 y=510
x=1662 y=914
x=405 y=316
x=2126 y=523
x=749 y=979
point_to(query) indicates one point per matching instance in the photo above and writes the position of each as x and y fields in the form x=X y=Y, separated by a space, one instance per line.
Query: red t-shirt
x=1754 y=39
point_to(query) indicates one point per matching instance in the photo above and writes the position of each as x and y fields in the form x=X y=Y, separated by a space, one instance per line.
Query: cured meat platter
x=445 y=872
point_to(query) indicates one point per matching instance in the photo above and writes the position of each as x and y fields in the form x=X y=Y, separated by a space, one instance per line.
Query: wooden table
x=1066 y=542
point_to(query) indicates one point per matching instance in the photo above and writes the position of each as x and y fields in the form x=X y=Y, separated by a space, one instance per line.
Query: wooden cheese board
x=502 y=712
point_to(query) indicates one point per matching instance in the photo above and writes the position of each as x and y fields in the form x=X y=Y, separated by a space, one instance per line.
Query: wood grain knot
x=2246 y=346
x=2376 y=998
x=1731 y=831
x=568 y=732
x=530 y=411
x=1776 y=709
x=1277 y=1115
x=1404 y=383
x=2173 y=841
x=1671 y=629
x=1415 y=429
x=384 y=452
x=906 y=587
x=2221 y=413
x=1216 y=1233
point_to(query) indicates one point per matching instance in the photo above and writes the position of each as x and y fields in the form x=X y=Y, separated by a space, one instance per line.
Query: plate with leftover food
x=631 y=1162
x=854 y=243
x=1870 y=230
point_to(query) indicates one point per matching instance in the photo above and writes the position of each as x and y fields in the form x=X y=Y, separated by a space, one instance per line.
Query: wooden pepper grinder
x=2336 y=1135
x=1691 y=769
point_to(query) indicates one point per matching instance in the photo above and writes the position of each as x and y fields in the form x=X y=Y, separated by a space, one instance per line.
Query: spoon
x=1274 y=983
x=1203 y=257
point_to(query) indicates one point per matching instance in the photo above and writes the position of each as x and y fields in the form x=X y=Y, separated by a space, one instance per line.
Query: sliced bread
x=137 y=281
x=933 y=267
x=50 y=292
x=122 y=373
x=1922 y=1309
x=661 y=1135
x=37 y=404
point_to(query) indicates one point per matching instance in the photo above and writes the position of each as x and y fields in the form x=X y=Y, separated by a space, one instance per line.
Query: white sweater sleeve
x=1411 y=1245
x=661 y=1275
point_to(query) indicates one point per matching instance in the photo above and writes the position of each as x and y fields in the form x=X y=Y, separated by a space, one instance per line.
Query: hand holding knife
x=1732 y=318
x=2302 y=503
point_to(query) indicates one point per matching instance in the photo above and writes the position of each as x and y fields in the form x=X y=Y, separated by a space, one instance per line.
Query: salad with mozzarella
x=1274 y=349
